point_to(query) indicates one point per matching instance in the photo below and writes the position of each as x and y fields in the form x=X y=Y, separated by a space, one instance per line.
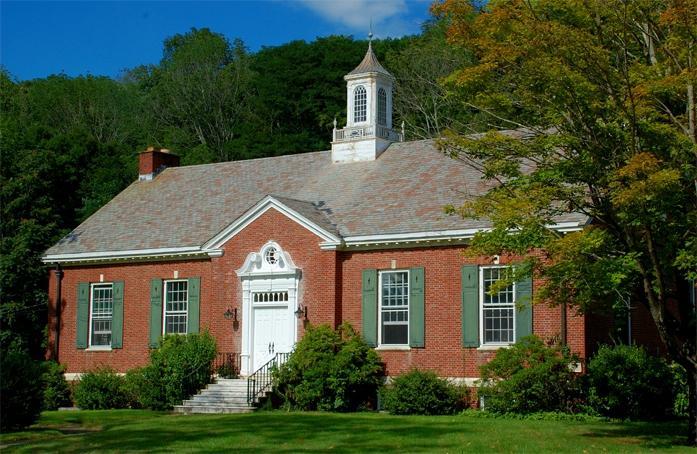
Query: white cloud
x=358 y=14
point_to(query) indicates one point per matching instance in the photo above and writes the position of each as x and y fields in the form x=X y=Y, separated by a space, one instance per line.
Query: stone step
x=222 y=394
x=211 y=409
x=230 y=397
x=198 y=403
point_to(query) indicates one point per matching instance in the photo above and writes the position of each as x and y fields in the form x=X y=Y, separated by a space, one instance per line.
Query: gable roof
x=401 y=194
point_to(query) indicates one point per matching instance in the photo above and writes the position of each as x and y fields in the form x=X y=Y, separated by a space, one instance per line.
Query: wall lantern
x=230 y=314
x=301 y=311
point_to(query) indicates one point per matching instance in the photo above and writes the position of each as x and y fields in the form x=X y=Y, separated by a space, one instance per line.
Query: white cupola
x=368 y=131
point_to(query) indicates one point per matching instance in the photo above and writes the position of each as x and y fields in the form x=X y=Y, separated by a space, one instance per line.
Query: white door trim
x=258 y=274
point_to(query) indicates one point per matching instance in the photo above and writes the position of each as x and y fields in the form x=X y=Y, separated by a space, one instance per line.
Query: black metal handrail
x=227 y=363
x=262 y=378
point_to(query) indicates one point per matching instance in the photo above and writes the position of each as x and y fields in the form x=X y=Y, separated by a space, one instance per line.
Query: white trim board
x=330 y=240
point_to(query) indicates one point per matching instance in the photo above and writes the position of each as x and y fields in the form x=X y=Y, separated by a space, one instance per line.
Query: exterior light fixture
x=301 y=311
x=230 y=314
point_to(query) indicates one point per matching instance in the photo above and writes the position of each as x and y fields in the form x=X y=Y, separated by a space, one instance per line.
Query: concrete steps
x=226 y=395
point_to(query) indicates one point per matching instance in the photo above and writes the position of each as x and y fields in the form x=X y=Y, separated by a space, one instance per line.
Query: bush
x=530 y=377
x=329 y=370
x=56 y=389
x=681 y=400
x=422 y=393
x=626 y=382
x=135 y=386
x=179 y=368
x=21 y=387
x=100 y=389
x=227 y=370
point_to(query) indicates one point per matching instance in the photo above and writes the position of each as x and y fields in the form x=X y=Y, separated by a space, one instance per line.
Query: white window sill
x=485 y=348
x=392 y=347
x=104 y=348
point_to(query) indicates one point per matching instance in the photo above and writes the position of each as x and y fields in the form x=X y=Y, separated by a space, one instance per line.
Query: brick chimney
x=154 y=160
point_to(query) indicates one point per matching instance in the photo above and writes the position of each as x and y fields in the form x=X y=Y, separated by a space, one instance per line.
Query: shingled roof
x=403 y=191
x=369 y=64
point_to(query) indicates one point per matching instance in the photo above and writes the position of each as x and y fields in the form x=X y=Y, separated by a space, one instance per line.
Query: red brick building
x=254 y=250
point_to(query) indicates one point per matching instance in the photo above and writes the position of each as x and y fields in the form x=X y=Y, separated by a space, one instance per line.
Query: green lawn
x=134 y=430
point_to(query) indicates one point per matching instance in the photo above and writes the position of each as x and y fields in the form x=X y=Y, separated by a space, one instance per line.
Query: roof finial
x=370 y=34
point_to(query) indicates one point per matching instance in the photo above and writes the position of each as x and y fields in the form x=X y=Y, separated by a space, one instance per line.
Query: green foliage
x=56 y=389
x=530 y=377
x=100 y=389
x=422 y=393
x=329 y=370
x=136 y=388
x=626 y=382
x=21 y=387
x=178 y=369
x=227 y=370
x=681 y=400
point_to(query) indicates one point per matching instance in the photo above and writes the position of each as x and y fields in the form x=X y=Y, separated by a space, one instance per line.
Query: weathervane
x=370 y=34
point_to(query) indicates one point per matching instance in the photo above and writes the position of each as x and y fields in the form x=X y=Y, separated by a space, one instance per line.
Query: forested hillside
x=70 y=144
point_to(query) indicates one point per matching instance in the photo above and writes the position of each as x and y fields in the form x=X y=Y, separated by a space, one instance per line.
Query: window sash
x=360 y=104
x=394 y=308
x=497 y=311
x=101 y=314
x=176 y=307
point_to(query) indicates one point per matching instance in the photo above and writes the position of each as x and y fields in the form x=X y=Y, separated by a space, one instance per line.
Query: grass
x=281 y=432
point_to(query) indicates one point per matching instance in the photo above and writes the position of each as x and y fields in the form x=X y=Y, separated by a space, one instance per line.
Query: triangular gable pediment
x=302 y=212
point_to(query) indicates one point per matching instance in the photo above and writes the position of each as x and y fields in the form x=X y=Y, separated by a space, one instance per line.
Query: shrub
x=626 y=382
x=134 y=386
x=227 y=370
x=329 y=370
x=100 y=389
x=422 y=393
x=681 y=400
x=530 y=377
x=179 y=368
x=21 y=396
x=56 y=389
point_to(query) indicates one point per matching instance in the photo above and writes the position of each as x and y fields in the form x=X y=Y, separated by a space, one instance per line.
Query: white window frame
x=355 y=105
x=164 y=306
x=482 y=340
x=90 y=325
x=380 y=274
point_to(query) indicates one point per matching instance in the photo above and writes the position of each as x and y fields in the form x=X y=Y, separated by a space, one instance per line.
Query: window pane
x=395 y=334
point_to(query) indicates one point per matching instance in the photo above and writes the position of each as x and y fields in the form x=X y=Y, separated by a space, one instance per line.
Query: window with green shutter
x=83 y=314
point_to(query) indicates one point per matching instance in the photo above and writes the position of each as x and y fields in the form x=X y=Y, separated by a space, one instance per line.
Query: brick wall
x=330 y=288
x=442 y=350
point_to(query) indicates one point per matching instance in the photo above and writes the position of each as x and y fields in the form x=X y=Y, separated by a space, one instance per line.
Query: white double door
x=273 y=331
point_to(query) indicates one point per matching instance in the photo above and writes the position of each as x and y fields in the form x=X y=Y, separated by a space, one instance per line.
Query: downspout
x=59 y=297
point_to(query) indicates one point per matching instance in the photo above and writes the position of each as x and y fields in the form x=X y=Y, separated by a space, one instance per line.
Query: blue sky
x=104 y=37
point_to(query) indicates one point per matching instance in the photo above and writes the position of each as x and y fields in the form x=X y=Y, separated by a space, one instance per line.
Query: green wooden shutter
x=369 y=314
x=470 y=305
x=194 y=304
x=155 y=312
x=416 y=307
x=117 y=315
x=83 y=314
x=523 y=316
